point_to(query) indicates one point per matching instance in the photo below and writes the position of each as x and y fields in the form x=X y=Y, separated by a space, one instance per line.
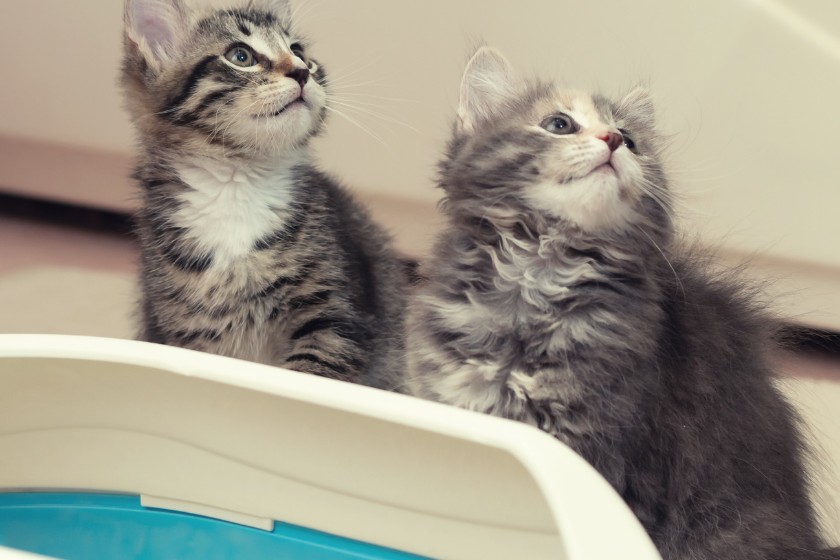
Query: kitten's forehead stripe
x=605 y=110
x=262 y=46
x=583 y=104
x=256 y=19
x=284 y=41
x=580 y=107
x=580 y=117
x=199 y=71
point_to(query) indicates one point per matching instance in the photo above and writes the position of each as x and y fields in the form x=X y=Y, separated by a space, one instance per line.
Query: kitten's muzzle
x=292 y=67
x=298 y=100
x=613 y=139
x=300 y=75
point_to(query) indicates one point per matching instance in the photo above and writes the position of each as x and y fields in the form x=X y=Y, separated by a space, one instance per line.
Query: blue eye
x=560 y=124
x=241 y=56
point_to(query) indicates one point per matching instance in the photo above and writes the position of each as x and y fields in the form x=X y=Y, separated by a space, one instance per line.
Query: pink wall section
x=65 y=173
x=25 y=244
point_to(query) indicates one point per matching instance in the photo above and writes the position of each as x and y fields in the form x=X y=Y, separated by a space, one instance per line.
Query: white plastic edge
x=207 y=511
x=12 y=554
x=542 y=455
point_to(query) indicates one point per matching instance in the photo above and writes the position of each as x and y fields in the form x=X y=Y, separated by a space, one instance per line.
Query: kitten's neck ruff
x=230 y=206
x=530 y=242
x=243 y=170
x=546 y=268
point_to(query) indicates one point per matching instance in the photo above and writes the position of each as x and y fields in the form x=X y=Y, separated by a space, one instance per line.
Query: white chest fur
x=229 y=208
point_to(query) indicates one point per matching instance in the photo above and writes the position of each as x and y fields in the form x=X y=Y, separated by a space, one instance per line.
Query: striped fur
x=247 y=249
x=557 y=296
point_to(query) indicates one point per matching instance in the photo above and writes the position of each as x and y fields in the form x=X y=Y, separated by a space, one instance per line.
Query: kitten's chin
x=604 y=170
x=290 y=128
x=597 y=202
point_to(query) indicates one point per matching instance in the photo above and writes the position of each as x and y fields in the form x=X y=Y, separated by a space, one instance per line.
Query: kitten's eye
x=297 y=50
x=559 y=124
x=628 y=142
x=241 y=56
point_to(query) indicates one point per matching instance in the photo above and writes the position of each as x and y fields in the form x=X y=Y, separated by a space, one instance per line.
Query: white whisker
x=377 y=115
x=666 y=260
x=357 y=123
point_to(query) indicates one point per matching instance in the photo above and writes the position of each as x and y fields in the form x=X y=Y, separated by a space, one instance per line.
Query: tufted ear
x=159 y=28
x=280 y=8
x=488 y=83
x=638 y=104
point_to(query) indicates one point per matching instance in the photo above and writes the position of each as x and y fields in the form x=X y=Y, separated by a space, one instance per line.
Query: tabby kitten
x=248 y=250
x=557 y=296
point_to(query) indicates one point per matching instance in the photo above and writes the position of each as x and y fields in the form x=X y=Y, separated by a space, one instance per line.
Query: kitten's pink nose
x=613 y=139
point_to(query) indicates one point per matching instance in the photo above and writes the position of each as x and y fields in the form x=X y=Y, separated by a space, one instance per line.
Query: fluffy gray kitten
x=247 y=249
x=557 y=296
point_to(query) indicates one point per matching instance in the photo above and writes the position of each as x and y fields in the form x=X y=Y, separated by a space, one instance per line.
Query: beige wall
x=747 y=87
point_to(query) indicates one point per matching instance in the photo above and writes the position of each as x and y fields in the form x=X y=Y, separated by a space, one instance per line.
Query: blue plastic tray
x=117 y=527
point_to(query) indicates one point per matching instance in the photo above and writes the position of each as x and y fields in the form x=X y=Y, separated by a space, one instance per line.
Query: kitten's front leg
x=328 y=344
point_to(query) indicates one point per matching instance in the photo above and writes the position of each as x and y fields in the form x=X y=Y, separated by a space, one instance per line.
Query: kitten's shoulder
x=719 y=308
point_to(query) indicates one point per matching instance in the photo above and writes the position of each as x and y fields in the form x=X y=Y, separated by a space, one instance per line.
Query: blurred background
x=746 y=89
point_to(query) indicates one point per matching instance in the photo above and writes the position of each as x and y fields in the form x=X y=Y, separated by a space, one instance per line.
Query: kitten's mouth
x=603 y=169
x=297 y=101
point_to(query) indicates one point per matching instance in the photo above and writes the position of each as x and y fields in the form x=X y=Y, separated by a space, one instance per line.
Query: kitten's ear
x=487 y=84
x=159 y=28
x=638 y=104
x=282 y=9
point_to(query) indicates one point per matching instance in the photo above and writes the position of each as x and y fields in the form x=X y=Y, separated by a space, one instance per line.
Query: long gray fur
x=615 y=339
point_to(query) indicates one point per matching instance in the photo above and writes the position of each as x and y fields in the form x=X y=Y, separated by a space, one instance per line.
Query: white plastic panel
x=99 y=414
x=11 y=554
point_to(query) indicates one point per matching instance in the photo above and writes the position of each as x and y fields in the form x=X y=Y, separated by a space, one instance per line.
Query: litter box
x=118 y=450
